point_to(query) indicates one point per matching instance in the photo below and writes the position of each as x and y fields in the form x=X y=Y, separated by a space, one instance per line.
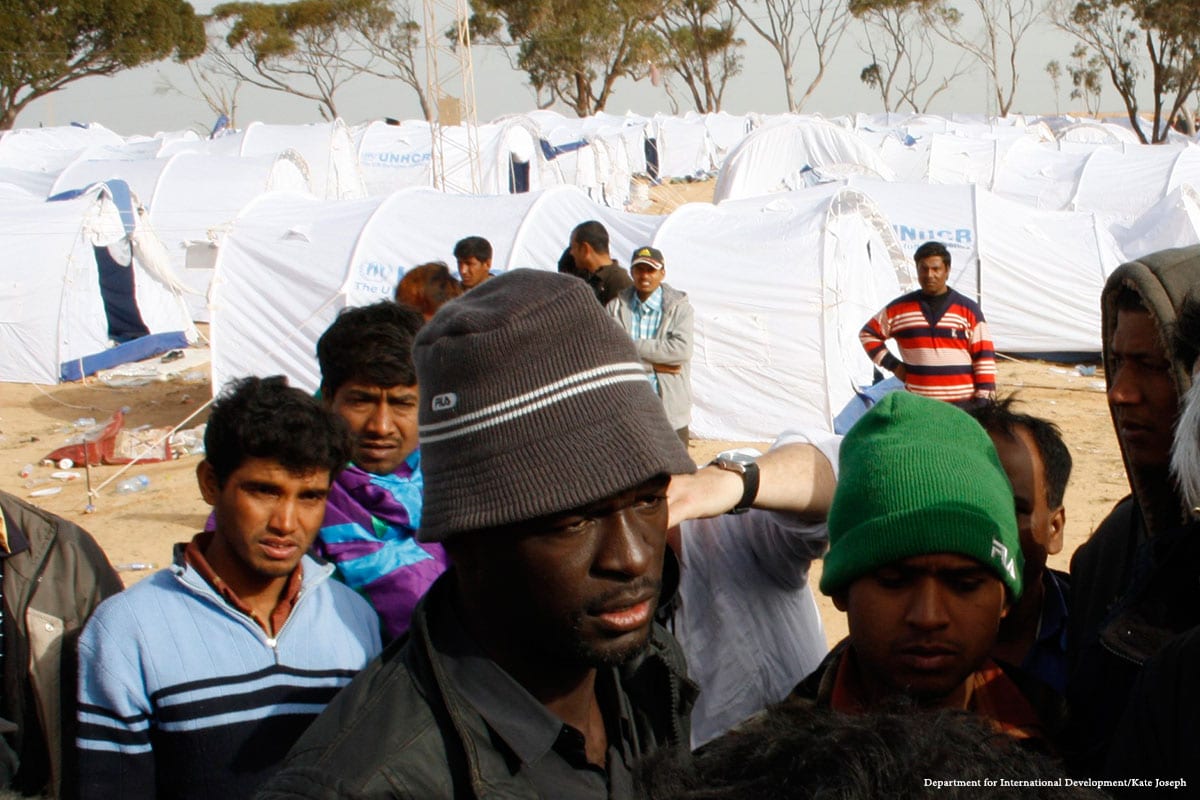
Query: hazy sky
x=128 y=103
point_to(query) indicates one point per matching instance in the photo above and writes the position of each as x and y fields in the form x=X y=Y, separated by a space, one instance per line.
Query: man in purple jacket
x=374 y=510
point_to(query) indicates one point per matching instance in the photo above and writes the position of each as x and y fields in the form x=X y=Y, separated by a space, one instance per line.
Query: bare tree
x=396 y=45
x=1126 y=35
x=900 y=46
x=1055 y=71
x=216 y=90
x=792 y=24
x=301 y=48
x=702 y=48
x=1005 y=23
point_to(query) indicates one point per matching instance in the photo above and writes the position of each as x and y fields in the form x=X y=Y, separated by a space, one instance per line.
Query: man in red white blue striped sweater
x=945 y=349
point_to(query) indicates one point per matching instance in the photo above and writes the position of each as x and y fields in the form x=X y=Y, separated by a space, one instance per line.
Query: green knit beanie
x=919 y=476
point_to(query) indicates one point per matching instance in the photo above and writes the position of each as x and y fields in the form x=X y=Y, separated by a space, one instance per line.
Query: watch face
x=741 y=456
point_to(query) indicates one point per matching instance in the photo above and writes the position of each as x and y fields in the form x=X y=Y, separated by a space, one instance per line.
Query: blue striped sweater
x=182 y=696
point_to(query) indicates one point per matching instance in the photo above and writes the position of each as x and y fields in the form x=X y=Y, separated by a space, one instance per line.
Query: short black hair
x=266 y=418
x=593 y=234
x=372 y=344
x=798 y=750
x=999 y=417
x=932 y=249
x=473 y=247
x=1185 y=333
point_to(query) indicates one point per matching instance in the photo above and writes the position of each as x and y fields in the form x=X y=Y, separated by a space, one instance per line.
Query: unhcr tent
x=395 y=157
x=291 y=263
x=1037 y=273
x=78 y=276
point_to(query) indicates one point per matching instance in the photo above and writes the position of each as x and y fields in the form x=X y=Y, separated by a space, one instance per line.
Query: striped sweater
x=181 y=696
x=948 y=358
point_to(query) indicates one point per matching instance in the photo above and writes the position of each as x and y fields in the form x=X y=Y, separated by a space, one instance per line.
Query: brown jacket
x=54 y=576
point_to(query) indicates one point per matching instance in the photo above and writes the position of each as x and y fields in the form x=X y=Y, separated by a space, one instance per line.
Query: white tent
x=52 y=309
x=781 y=286
x=1041 y=274
x=1125 y=183
x=395 y=157
x=290 y=264
x=327 y=148
x=1172 y=222
x=191 y=198
x=776 y=156
x=51 y=149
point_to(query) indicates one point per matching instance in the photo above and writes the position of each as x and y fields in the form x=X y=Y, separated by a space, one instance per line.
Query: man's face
x=383 y=420
x=646 y=279
x=267 y=518
x=1141 y=393
x=473 y=271
x=581 y=586
x=921 y=626
x=932 y=273
x=1040 y=526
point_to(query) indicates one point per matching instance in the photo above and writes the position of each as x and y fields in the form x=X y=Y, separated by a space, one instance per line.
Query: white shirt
x=747 y=619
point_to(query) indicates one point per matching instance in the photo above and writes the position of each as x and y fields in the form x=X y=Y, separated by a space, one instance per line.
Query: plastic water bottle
x=132 y=485
x=26 y=471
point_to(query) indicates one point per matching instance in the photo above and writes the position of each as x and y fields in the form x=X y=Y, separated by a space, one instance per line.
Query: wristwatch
x=749 y=472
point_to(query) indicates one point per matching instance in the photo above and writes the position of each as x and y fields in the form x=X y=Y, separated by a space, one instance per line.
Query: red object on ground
x=100 y=448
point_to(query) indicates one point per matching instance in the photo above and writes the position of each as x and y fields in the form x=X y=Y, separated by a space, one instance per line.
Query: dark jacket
x=1101 y=567
x=1161 y=601
x=54 y=577
x=1160 y=733
x=608 y=281
x=402 y=730
x=1114 y=627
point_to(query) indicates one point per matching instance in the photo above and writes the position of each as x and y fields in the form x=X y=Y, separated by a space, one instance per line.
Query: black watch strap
x=749 y=472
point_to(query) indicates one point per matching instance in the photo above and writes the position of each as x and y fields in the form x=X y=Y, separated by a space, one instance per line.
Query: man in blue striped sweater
x=195 y=682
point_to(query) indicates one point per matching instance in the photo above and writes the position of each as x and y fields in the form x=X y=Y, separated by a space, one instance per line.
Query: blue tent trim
x=137 y=350
x=552 y=152
x=121 y=196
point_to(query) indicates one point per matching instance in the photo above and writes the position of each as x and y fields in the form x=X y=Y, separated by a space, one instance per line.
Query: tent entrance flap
x=118 y=292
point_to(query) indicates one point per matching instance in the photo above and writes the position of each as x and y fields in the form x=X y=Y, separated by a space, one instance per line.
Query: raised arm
x=795 y=478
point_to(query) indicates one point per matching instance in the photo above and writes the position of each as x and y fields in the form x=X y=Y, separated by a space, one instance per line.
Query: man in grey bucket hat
x=533 y=667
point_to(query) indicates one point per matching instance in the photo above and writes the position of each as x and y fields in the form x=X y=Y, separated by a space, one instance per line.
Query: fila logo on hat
x=444 y=402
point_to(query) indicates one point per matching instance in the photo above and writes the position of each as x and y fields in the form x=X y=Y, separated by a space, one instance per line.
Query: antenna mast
x=455 y=155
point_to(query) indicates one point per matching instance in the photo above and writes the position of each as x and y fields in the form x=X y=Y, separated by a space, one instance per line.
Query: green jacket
x=54 y=577
x=402 y=730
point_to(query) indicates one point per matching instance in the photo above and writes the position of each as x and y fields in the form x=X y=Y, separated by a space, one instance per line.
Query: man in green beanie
x=925 y=559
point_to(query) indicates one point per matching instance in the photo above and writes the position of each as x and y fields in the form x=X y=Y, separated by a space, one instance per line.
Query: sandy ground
x=141 y=528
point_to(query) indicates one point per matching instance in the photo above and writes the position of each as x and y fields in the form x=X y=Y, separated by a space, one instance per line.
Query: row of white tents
x=781 y=280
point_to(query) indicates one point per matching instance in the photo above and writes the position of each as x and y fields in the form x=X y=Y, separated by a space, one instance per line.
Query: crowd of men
x=481 y=563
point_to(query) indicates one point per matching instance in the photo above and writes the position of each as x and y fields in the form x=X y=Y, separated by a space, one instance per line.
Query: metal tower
x=450 y=85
